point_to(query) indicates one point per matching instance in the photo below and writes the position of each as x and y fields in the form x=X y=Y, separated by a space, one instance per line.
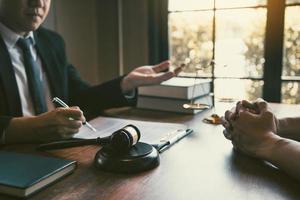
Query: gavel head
x=124 y=138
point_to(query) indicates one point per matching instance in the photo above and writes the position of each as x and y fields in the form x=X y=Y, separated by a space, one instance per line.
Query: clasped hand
x=251 y=127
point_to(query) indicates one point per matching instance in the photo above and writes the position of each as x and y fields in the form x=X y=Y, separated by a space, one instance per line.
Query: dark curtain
x=158 y=31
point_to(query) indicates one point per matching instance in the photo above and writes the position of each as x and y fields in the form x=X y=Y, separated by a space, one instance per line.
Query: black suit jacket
x=63 y=78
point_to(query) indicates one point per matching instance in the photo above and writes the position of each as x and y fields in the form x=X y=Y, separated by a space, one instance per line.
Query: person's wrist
x=281 y=123
x=20 y=130
x=126 y=85
x=269 y=146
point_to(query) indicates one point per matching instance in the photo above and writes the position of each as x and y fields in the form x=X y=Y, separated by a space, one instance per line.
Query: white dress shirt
x=16 y=56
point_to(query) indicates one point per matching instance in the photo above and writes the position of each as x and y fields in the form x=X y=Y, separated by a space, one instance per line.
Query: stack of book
x=172 y=94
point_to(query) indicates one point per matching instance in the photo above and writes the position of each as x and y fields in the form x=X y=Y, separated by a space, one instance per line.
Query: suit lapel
x=49 y=64
x=9 y=82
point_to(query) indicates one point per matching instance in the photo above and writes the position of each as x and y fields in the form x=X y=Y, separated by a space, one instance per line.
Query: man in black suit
x=34 y=69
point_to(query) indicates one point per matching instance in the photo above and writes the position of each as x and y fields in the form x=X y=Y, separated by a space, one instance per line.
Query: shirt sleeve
x=2 y=139
x=4 y=122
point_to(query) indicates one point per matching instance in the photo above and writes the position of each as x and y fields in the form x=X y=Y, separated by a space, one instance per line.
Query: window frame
x=273 y=49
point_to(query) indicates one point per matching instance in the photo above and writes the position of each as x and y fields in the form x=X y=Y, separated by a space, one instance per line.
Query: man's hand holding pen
x=49 y=126
x=61 y=123
x=59 y=103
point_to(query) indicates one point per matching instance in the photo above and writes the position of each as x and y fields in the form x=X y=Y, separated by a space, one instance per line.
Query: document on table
x=151 y=132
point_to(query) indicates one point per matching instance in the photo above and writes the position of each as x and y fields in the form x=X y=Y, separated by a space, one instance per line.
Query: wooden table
x=201 y=166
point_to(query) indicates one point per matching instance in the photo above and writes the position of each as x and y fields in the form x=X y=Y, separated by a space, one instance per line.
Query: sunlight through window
x=239 y=33
x=291 y=57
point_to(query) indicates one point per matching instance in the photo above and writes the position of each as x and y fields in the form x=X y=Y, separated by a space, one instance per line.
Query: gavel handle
x=68 y=144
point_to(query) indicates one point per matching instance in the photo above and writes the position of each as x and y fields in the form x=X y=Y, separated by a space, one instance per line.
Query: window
x=291 y=56
x=238 y=35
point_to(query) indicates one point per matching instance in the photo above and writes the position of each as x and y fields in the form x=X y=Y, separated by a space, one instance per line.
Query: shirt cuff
x=130 y=95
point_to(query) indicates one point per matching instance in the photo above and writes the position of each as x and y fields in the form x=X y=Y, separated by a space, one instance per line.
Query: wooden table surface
x=201 y=166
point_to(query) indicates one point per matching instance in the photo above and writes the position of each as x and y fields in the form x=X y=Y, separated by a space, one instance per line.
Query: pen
x=172 y=138
x=63 y=104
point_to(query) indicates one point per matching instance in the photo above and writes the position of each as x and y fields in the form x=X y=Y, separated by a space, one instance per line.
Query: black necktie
x=35 y=84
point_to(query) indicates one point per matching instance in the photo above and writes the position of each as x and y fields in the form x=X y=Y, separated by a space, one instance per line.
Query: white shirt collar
x=10 y=37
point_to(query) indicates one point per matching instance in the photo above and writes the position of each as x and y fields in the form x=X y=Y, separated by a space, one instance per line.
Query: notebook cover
x=24 y=170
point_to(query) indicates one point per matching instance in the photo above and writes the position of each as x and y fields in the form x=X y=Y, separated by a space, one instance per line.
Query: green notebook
x=23 y=174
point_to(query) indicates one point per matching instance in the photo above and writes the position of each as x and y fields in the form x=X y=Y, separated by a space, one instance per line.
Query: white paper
x=151 y=132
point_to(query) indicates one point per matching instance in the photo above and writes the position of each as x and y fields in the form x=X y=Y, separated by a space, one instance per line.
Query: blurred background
x=254 y=44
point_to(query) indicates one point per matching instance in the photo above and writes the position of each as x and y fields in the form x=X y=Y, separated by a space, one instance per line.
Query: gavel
x=120 y=140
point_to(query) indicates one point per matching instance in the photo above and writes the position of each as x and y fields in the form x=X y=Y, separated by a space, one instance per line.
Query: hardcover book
x=178 y=87
x=23 y=174
x=171 y=104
